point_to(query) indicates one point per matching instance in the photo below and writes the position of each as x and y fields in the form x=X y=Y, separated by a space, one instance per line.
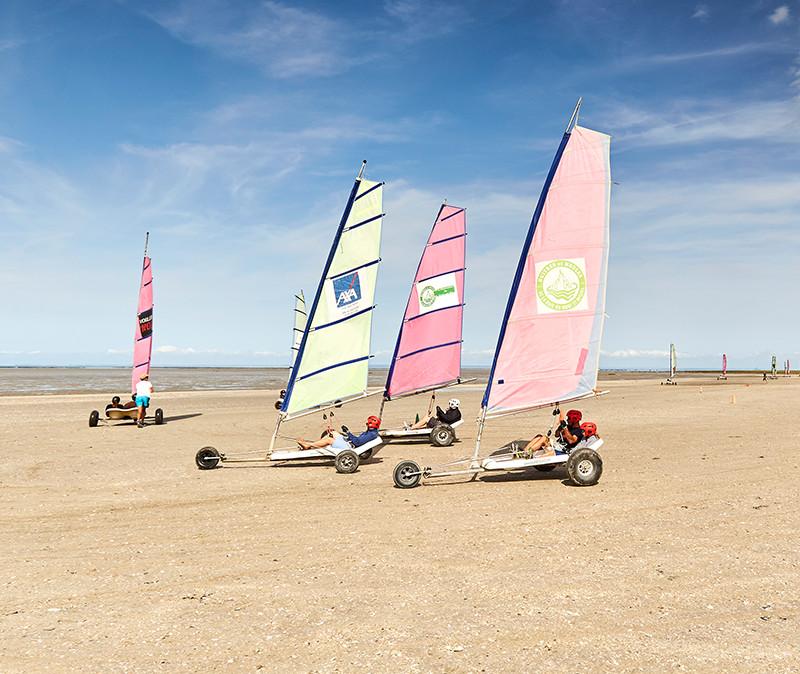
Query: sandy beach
x=118 y=555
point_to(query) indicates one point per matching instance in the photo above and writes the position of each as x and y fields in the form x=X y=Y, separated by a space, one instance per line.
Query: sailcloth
x=549 y=344
x=724 y=364
x=673 y=360
x=333 y=354
x=774 y=365
x=143 y=337
x=299 y=325
x=428 y=349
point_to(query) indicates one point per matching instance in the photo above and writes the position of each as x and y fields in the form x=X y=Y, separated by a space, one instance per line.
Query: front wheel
x=442 y=436
x=159 y=416
x=207 y=458
x=346 y=462
x=407 y=475
x=94 y=417
x=584 y=467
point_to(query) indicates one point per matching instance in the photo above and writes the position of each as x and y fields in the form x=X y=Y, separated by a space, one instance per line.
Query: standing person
x=144 y=390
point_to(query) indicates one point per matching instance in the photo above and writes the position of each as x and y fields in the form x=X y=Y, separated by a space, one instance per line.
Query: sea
x=66 y=380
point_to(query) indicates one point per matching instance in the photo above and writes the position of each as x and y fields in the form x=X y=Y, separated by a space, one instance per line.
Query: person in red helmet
x=569 y=431
x=345 y=439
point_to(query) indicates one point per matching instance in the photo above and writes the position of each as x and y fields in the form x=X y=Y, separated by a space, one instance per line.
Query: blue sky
x=232 y=132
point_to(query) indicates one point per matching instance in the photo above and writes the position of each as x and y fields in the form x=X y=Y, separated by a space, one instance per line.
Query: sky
x=232 y=131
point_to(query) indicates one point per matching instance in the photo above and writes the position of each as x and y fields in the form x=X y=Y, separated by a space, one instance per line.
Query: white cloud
x=780 y=15
x=636 y=353
x=701 y=12
x=10 y=43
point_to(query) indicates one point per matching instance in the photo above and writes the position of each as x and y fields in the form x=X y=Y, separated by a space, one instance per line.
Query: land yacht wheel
x=442 y=436
x=207 y=458
x=407 y=475
x=159 y=415
x=346 y=462
x=584 y=467
x=94 y=417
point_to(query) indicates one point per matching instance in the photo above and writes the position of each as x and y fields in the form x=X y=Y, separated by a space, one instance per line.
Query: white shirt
x=144 y=388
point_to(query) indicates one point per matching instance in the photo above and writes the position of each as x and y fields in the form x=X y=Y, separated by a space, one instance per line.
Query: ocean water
x=60 y=380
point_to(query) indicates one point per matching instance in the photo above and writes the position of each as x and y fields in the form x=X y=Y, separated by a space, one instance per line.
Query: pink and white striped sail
x=428 y=350
x=724 y=364
x=549 y=348
x=143 y=337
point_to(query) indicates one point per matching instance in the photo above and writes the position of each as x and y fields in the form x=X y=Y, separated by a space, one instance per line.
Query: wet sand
x=119 y=555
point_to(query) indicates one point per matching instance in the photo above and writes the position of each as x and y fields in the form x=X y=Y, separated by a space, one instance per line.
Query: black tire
x=115 y=400
x=94 y=417
x=584 y=467
x=279 y=404
x=546 y=468
x=346 y=462
x=442 y=435
x=283 y=393
x=159 y=416
x=207 y=458
x=407 y=475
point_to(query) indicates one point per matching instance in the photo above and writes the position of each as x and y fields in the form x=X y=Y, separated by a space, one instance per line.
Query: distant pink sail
x=724 y=364
x=428 y=349
x=549 y=346
x=143 y=339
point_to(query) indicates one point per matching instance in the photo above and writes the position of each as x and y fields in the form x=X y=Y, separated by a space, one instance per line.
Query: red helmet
x=574 y=416
x=589 y=429
x=373 y=422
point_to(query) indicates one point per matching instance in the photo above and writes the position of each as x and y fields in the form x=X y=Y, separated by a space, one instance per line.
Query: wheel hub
x=585 y=468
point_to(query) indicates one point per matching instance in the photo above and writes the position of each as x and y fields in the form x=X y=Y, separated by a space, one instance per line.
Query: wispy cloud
x=780 y=15
x=10 y=43
x=417 y=20
x=730 y=51
x=701 y=12
x=694 y=122
x=286 y=41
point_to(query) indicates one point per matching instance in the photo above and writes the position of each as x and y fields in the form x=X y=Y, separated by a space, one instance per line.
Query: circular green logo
x=428 y=296
x=561 y=285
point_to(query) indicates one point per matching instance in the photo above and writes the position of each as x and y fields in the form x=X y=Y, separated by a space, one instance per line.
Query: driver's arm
x=569 y=437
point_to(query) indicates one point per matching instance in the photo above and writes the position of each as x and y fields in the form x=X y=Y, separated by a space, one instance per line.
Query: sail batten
x=427 y=353
x=333 y=354
x=548 y=349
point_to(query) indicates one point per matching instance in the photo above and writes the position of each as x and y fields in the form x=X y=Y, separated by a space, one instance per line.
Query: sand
x=119 y=555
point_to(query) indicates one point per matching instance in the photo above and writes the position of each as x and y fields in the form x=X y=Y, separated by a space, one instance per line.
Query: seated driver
x=448 y=416
x=347 y=440
x=569 y=432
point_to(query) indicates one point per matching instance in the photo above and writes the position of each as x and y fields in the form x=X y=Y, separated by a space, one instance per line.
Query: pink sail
x=428 y=349
x=724 y=364
x=143 y=337
x=549 y=346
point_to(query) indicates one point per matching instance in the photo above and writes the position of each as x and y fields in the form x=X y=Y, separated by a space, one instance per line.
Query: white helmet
x=453 y=403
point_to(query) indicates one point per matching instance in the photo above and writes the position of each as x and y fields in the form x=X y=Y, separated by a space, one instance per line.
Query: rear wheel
x=207 y=458
x=94 y=417
x=346 y=462
x=442 y=436
x=407 y=475
x=115 y=400
x=278 y=404
x=159 y=416
x=584 y=467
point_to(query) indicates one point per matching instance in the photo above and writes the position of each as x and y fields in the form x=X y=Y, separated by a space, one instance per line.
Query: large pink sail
x=428 y=350
x=549 y=346
x=143 y=339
